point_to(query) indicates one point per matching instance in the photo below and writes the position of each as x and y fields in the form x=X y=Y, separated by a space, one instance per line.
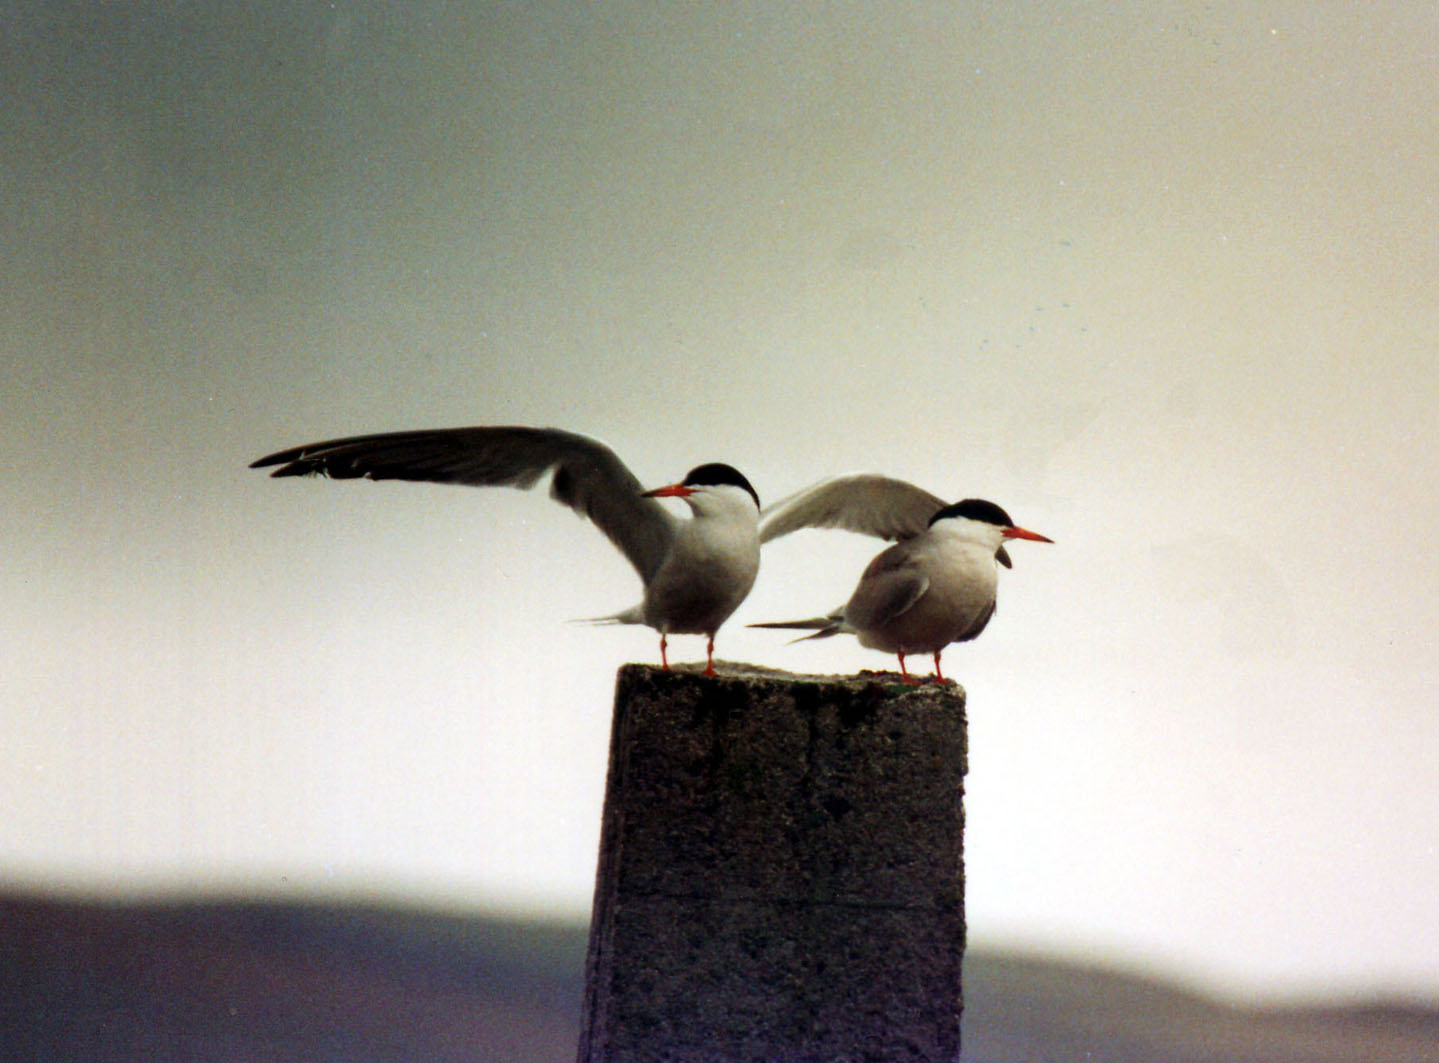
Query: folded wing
x=890 y=585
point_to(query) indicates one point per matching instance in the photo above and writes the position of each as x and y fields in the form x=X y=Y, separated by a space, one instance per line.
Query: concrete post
x=781 y=871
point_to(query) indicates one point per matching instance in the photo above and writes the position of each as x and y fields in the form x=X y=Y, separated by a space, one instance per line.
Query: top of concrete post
x=823 y=786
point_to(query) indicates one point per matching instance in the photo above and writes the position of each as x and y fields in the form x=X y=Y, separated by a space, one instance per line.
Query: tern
x=695 y=572
x=936 y=585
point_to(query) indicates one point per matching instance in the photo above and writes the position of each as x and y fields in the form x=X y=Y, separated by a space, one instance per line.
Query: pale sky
x=1159 y=279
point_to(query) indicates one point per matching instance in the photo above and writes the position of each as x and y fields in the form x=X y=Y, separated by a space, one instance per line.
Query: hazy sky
x=1158 y=278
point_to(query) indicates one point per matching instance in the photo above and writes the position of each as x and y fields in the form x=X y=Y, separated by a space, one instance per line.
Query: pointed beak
x=1024 y=533
x=672 y=491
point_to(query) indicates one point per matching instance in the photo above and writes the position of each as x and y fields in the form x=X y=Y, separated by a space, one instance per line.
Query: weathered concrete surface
x=781 y=871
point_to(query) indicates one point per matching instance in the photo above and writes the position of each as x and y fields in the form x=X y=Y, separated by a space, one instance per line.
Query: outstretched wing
x=588 y=476
x=859 y=502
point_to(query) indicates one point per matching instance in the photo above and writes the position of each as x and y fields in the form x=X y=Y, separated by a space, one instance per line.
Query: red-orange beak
x=672 y=491
x=1024 y=533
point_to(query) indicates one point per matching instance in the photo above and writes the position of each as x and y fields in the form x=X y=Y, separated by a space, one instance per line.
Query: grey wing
x=858 y=502
x=588 y=476
x=889 y=586
x=980 y=622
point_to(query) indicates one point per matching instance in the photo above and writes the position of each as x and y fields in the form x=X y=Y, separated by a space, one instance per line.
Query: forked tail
x=631 y=615
x=820 y=627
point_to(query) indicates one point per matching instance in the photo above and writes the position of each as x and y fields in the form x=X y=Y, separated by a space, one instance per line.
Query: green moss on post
x=781 y=871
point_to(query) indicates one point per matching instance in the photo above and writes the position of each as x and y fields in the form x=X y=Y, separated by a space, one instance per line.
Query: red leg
x=664 y=659
x=904 y=676
x=938 y=675
x=710 y=657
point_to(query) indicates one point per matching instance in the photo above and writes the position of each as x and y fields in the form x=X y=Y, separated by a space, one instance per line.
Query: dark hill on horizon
x=238 y=981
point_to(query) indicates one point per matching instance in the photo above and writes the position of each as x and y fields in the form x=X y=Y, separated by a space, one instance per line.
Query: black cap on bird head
x=975 y=509
x=718 y=474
